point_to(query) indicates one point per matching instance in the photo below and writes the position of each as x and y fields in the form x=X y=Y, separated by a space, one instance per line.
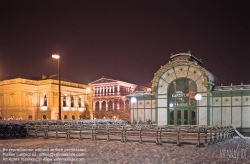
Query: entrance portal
x=182 y=116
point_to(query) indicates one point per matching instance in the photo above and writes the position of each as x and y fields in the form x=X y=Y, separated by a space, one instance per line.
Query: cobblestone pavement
x=59 y=151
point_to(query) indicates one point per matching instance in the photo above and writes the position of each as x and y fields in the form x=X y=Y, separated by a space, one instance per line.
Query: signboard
x=191 y=94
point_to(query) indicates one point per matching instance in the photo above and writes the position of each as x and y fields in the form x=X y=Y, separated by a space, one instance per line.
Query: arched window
x=116 y=102
x=65 y=117
x=181 y=92
x=30 y=117
x=44 y=117
x=45 y=100
x=126 y=104
x=104 y=105
x=97 y=106
x=110 y=106
x=73 y=117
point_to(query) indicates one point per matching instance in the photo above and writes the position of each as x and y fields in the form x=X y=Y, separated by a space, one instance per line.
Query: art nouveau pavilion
x=175 y=86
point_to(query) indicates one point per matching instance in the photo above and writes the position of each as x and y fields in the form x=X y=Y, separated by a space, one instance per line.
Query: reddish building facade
x=109 y=98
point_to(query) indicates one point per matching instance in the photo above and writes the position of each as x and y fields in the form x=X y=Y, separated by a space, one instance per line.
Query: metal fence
x=197 y=135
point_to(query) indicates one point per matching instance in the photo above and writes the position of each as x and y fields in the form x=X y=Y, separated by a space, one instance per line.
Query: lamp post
x=86 y=99
x=198 y=97
x=56 y=56
x=133 y=101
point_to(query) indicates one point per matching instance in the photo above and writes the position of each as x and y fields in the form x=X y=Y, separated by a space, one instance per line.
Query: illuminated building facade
x=185 y=93
x=109 y=98
x=38 y=99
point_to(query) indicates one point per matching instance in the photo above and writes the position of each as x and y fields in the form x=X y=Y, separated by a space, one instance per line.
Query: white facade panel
x=165 y=96
x=202 y=116
x=226 y=116
x=162 y=103
x=236 y=120
x=162 y=116
x=246 y=117
x=153 y=115
x=141 y=115
x=216 y=116
x=203 y=101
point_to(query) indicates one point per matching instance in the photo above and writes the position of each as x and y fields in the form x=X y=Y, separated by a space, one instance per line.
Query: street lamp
x=198 y=97
x=56 y=56
x=86 y=99
x=133 y=101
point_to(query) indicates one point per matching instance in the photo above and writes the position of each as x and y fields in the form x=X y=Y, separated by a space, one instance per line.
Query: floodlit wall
x=231 y=110
x=21 y=98
x=143 y=110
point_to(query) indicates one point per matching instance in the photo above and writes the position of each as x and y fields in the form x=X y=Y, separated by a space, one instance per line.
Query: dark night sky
x=126 y=40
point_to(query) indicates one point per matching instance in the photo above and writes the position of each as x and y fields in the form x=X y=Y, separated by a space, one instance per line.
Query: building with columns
x=109 y=98
x=185 y=93
x=38 y=99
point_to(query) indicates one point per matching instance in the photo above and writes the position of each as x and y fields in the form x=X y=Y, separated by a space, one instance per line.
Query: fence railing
x=197 y=135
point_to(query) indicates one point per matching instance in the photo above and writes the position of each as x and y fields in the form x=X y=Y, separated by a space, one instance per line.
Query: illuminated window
x=72 y=101
x=182 y=92
x=64 y=101
x=45 y=100
x=79 y=102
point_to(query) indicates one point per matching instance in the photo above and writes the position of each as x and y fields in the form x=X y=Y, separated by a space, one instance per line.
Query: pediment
x=103 y=80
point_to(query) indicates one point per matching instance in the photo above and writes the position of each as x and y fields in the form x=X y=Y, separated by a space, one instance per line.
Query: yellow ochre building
x=25 y=99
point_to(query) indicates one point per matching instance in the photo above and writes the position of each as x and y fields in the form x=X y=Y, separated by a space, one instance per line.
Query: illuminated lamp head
x=198 y=97
x=133 y=100
x=171 y=105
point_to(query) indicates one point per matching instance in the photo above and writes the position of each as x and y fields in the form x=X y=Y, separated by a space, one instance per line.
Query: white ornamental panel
x=200 y=85
x=162 y=87
x=181 y=71
x=226 y=101
x=169 y=75
x=194 y=73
